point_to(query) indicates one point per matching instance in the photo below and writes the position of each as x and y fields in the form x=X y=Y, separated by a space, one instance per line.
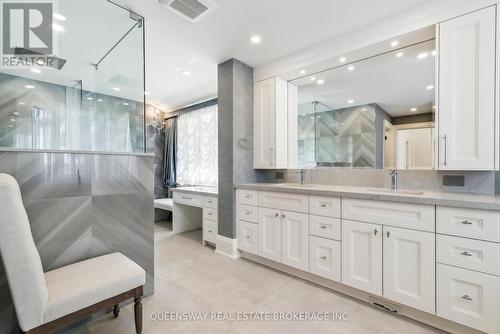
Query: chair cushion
x=164 y=204
x=77 y=286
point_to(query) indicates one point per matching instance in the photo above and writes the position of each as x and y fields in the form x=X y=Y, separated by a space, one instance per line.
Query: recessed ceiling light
x=430 y=87
x=433 y=52
x=186 y=73
x=40 y=61
x=116 y=89
x=57 y=27
x=394 y=44
x=29 y=86
x=313 y=78
x=303 y=72
x=59 y=17
x=255 y=39
x=21 y=103
x=146 y=93
x=36 y=70
x=320 y=81
x=12 y=119
x=364 y=109
x=423 y=55
x=303 y=114
x=11 y=126
x=16 y=113
x=90 y=98
x=342 y=59
x=351 y=68
x=350 y=101
x=100 y=100
x=413 y=109
x=125 y=103
x=399 y=54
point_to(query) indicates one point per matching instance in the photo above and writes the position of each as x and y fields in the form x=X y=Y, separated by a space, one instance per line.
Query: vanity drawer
x=248 y=197
x=248 y=237
x=469 y=298
x=325 y=227
x=284 y=201
x=324 y=206
x=247 y=213
x=210 y=202
x=210 y=214
x=404 y=215
x=325 y=258
x=469 y=223
x=210 y=231
x=188 y=199
x=468 y=253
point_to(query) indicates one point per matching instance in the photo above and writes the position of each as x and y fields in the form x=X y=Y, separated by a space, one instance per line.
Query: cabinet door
x=362 y=256
x=248 y=237
x=270 y=124
x=295 y=234
x=467 y=92
x=409 y=267
x=270 y=234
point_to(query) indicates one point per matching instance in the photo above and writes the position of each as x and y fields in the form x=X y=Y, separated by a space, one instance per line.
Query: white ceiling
x=174 y=45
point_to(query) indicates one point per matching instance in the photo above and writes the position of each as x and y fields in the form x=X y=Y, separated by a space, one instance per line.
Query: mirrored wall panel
x=374 y=113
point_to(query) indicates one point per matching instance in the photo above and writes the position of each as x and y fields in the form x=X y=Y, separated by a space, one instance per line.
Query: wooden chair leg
x=116 y=310
x=138 y=314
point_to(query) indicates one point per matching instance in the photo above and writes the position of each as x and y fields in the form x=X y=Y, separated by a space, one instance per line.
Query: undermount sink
x=396 y=192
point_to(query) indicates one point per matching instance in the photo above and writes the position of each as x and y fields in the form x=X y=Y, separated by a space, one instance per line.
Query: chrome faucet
x=394 y=178
x=302 y=173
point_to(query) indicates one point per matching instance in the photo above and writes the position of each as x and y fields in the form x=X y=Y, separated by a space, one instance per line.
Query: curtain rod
x=196 y=106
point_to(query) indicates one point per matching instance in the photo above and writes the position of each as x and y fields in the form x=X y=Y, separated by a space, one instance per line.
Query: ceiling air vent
x=192 y=10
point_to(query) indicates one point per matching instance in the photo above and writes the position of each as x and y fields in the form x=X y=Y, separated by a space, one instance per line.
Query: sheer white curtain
x=197 y=153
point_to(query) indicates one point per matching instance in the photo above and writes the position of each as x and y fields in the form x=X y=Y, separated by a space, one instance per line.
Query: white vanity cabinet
x=467 y=81
x=269 y=222
x=362 y=256
x=270 y=124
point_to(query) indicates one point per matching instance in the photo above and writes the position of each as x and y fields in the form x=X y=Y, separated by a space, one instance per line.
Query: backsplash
x=475 y=182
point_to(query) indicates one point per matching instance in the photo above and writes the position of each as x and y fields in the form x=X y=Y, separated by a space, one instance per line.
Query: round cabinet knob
x=375 y=232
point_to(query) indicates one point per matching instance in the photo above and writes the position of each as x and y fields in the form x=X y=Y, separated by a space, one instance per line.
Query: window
x=197 y=152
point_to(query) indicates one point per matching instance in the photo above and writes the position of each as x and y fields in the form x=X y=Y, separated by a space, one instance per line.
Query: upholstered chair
x=47 y=301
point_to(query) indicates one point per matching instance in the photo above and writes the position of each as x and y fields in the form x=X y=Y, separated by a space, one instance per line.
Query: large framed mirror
x=374 y=113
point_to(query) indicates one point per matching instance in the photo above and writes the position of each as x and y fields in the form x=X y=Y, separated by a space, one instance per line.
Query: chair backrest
x=20 y=256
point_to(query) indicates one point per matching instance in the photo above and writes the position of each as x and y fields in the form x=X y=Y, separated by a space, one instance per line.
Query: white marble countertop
x=473 y=201
x=200 y=190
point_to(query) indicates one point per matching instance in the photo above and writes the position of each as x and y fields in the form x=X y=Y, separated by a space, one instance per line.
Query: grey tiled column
x=235 y=94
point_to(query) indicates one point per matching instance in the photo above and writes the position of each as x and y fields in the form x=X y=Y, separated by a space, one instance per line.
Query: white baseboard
x=227 y=247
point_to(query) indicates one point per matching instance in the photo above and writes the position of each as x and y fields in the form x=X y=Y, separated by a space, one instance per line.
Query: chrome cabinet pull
x=375 y=231
x=247 y=237
x=323 y=258
x=323 y=205
x=247 y=196
x=388 y=234
x=209 y=231
x=276 y=215
x=283 y=216
x=323 y=227
x=466 y=253
x=466 y=297
x=466 y=222
x=247 y=212
x=188 y=198
x=445 y=150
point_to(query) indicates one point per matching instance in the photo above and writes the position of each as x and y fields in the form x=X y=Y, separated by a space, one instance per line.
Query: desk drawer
x=324 y=206
x=247 y=213
x=188 y=199
x=404 y=215
x=468 y=253
x=325 y=227
x=210 y=214
x=210 y=202
x=469 y=223
x=210 y=231
x=247 y=197
x=284 y=201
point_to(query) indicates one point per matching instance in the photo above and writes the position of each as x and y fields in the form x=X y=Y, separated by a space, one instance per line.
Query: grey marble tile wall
x=475 y=182
x=81 y=206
